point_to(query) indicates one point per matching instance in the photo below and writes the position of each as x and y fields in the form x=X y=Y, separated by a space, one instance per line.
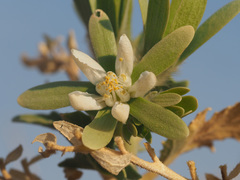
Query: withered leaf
x=70 y=131
x=72 y=173
x=234 y=173
x=211 y=177
x=14 y=155
x=46 y=153
x=1 y=162
x=47 y=137
x=222 y=125
x=53 y=57
x=111 y=160
x=35 y=159
x=18 y=175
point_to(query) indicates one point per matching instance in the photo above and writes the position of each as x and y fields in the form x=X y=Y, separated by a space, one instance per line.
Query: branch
x=156 y=166
x=192 y=168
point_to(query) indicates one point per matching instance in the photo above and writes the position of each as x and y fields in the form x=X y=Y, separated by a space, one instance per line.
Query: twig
x=5 y=174
x=224 y=172
x=156 y=166
x=192 y=169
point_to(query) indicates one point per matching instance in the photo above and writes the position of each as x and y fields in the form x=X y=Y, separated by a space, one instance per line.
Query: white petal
x=126 y=81
x=123 y=95
x=108 y=98
x=92 y=70
x=125 y=57
x=145 y=83
x=82 y=101
x=120 y=112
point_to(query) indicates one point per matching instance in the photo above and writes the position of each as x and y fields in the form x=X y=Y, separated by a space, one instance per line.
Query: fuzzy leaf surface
x=211 y=26
x=100 y=131
x=39 y=119
x=178 y=90
x=167 y=99
x=103 y=39
x=52 y=95
x=185 y=12
x=158 y=119
x=157 y=17
x=143 y=4
x=165 y=53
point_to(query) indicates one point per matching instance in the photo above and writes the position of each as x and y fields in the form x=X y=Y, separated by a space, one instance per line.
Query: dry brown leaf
x=53 y=57
x=234 y=173
x=72 y=174
x=224 y=171
x=14 y=155
x=222 y=125
x=70 y=131
x=211 y=177
x=1 y=162
x=47 y=137
x=35 y=159
x=18 y=175
x=111 y=160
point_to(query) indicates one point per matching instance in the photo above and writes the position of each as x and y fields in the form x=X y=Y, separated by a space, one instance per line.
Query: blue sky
x=213 y=73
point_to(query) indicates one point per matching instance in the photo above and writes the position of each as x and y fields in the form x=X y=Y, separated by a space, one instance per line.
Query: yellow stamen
x=124 y=77
x=106 y=96
x=120 y=59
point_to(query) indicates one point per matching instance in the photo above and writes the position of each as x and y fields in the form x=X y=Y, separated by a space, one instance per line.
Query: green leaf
x=78 y=161
x=83 y=161
x=103 y=40
x=142 y=131
x=129 y=172
x=158 y=119
x=100 y=131
x=40 y=119
x=112 y=9
x=93 y=5
x=52 y=95
x=167 y=99
x=185 y=12
x=83 y=10
x=126 y=134
x=177 y=110
x=125 y=18
x=211 y=26
x=132 y=129
x=157 y=17
x=144 y=9
x=165 y=53
x=134 y=120
x=179 y=90
x=148 y=137
x=189 y=104
x=79 y=118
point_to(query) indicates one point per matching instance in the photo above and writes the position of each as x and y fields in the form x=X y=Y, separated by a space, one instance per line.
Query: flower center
x=113 y=89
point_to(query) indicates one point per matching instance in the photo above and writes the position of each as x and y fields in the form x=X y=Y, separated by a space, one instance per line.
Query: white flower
x=115 y=90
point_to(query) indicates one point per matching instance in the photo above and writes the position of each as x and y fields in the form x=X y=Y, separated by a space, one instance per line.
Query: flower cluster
x=114 y=88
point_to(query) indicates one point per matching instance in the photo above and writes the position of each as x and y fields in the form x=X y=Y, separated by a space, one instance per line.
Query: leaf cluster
x=171 y=33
